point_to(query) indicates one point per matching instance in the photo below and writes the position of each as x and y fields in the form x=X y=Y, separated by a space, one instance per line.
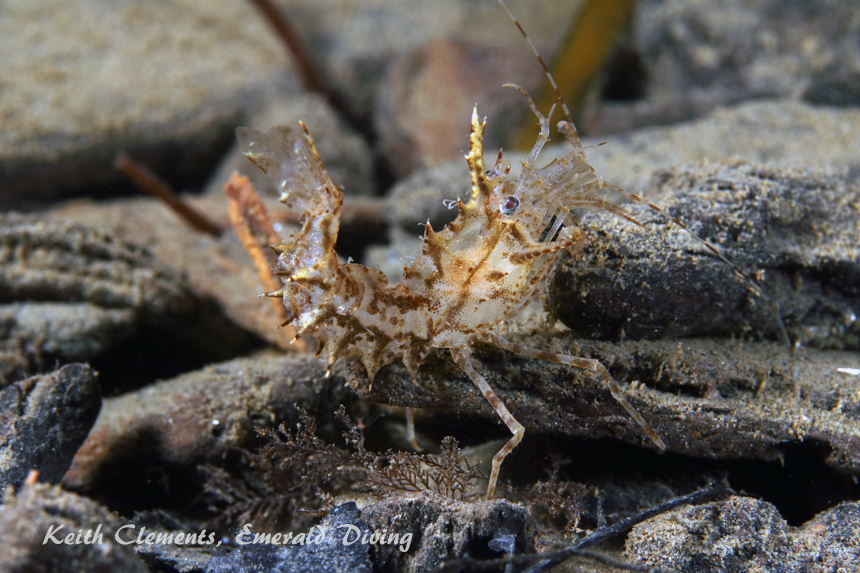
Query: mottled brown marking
x=517 y=234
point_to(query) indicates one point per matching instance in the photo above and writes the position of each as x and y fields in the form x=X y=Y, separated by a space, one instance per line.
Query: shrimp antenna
x=571 y=133
x=569 y=129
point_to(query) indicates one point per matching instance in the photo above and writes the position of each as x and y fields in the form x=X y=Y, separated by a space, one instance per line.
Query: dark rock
x=15 y=363
x=744 y=534
x=832 y=537
x=334 y=546
x=415 y=532
x=46 y=260
x=166 y=83
x=697 y=58
x=835 y=89
x=34 y=334
x=796 y=227
x=112 y=289
x=27 y=518
x=169 y=427
x=708 y=398
x=175 y=557
x=176 y=545
x=43 y=422
x=442 y=530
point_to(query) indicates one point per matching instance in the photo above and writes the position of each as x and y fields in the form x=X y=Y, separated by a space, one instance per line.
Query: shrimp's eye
x=492 y=173
x=510 y=205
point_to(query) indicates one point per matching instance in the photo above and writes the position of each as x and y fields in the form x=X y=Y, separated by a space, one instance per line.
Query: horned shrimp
x=471 y=276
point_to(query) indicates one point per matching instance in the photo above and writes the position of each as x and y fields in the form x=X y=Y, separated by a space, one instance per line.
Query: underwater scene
x=454 y=285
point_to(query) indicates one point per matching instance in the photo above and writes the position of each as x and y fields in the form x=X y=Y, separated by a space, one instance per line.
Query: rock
x=746 y=534
x=413 y=532
x=425 y=100
x=43 y=422
x=335 y=548
x=176 y=424
x=778 y=133
x=166 y=83
x=72 y=331
x=173 y=82
x=443 y=530
x=35 y=334
x=835 y=87
x=356 y=44
x=217 y=271
x=796 y=227
x=775 y=133
x=697 y=59
x=420 y=197
x=48 y=260
x=119 y=286
x=14 y=363
x=707 y=398
x=391 y=259
x=27 y=518
x=831 y=537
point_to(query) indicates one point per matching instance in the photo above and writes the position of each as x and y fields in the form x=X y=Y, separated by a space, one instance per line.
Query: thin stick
x=285 y=31
x=545 y=561
x=313 y=79
x=625 y=525
x=148 y=181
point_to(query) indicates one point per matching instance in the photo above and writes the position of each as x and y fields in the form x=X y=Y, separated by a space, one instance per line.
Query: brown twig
x=313 y=79
x=285 y=31
x=154 y=185
x=251 y=222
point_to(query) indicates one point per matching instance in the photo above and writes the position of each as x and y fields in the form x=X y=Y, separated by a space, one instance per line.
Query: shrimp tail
x=290 y=159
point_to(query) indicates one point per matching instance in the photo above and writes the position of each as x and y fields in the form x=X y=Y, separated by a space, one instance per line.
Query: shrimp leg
x=587 y=364
x=467 y=363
